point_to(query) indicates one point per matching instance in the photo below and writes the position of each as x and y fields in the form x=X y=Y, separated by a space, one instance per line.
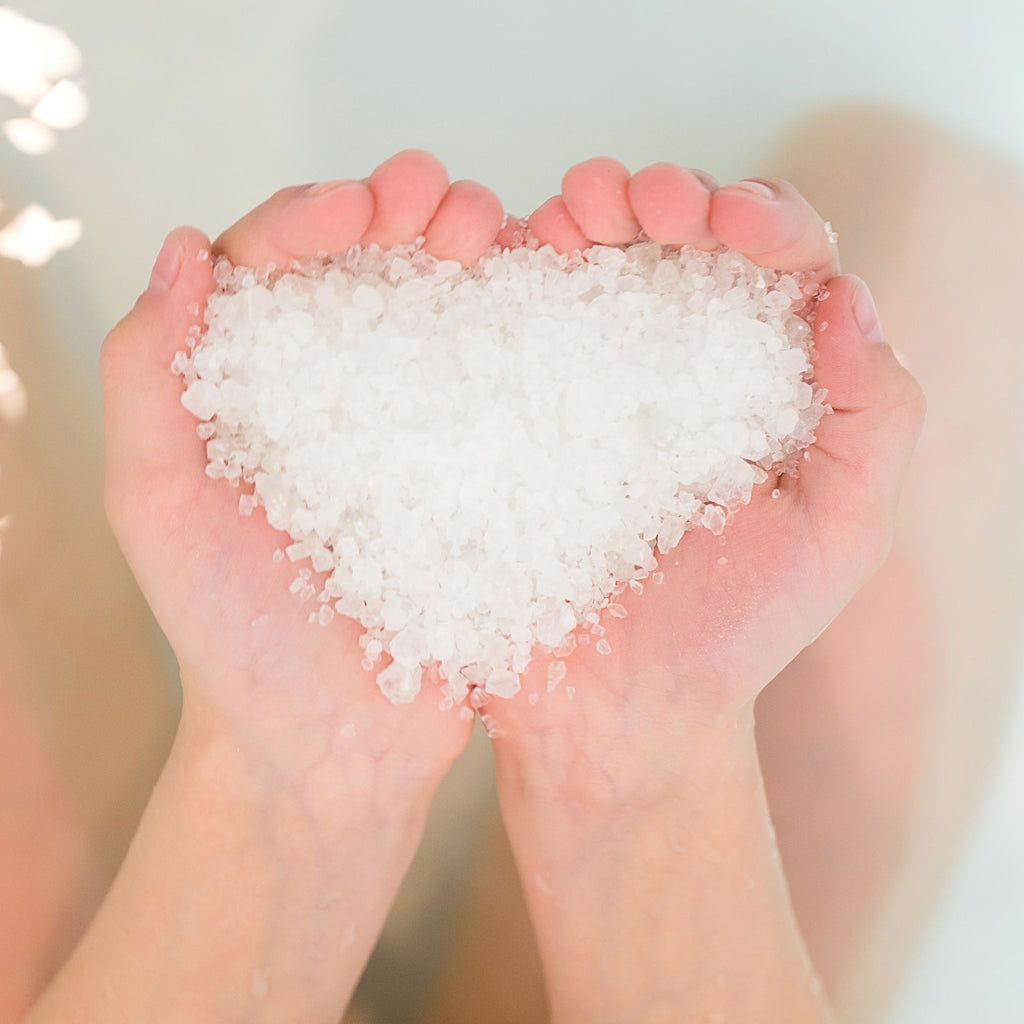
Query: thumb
x=860 y=458
x=152 y=451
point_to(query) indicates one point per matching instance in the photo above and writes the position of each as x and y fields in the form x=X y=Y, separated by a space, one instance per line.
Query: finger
x=152 y=450
x=774 y=226
x=596 y=194
x=407 y=191
x=297 y=223
x=465 y=224
x=863 y=449
x=672 y=205
x=552 y=224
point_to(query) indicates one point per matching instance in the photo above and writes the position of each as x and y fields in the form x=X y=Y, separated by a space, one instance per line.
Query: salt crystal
x=278 y=555
x=347 y=731
x=502 y=684
x=342 y=392
x=570 y=692
x=603 y=647
x=399 y=683
x=657 y=578
x=556 y=673
x=202 y=399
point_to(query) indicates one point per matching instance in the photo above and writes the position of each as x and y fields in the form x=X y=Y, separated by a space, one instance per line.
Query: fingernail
x=166 y=268
x=865 y=313
x=761 y=189
x=326 y=187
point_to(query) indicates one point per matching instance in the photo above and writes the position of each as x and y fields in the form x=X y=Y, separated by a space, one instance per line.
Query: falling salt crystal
x=325 y=614
x=616 y=611
x=193 y=309
x=307 y=592
x=278 y=555
x=657 y=578
x=570 y=692
x=636 y=586
x=366 y=665
x=297 y=584
x=723 y=560
x=823 y=326
x=776 y=493
x=247 y=503
x=603 y=647
x=477 y=698
x=534 y=698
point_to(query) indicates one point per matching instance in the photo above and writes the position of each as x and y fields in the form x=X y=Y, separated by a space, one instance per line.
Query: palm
x=243 y=640
x=731 y=611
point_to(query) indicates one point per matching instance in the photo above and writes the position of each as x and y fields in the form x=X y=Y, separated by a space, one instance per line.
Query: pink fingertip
x=166 y=268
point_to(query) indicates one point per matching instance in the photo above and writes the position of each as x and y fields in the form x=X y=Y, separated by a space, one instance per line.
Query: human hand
x=247 y=652
x=731 y=611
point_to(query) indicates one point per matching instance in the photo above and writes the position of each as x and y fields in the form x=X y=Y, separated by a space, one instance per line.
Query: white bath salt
x=603 y=647
x=616 y=611
x=247 y=504
x=278 y=555
x=556 y=673
x=480 y=460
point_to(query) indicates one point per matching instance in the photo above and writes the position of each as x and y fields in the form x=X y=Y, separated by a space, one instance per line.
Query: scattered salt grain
x=278 y=555
x=603 y=647
x=556 y=673
x=341 y=391
x=570 y=692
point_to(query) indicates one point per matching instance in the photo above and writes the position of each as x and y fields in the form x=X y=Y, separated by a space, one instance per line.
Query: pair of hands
x=691 y=654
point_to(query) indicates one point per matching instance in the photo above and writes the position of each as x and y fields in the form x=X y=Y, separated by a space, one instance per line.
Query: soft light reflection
x=37 y=64
x=34 y=236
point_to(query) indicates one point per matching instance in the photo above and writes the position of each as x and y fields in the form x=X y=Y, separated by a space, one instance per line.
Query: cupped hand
x=247 y=652
x=730 y=612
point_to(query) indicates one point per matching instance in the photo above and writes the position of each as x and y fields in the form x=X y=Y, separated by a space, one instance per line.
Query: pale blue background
x=201 y=109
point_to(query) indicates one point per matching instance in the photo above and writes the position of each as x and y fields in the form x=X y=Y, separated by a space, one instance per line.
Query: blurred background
x=196 y=111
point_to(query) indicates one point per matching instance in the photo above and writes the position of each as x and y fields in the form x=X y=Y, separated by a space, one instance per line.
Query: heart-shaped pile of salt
x=481 y=459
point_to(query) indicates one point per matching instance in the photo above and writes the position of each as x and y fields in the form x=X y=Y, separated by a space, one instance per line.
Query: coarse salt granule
x=477 y=461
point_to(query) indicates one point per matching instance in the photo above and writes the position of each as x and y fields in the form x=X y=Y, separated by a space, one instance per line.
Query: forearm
x=246 y=896
x=674 y=908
